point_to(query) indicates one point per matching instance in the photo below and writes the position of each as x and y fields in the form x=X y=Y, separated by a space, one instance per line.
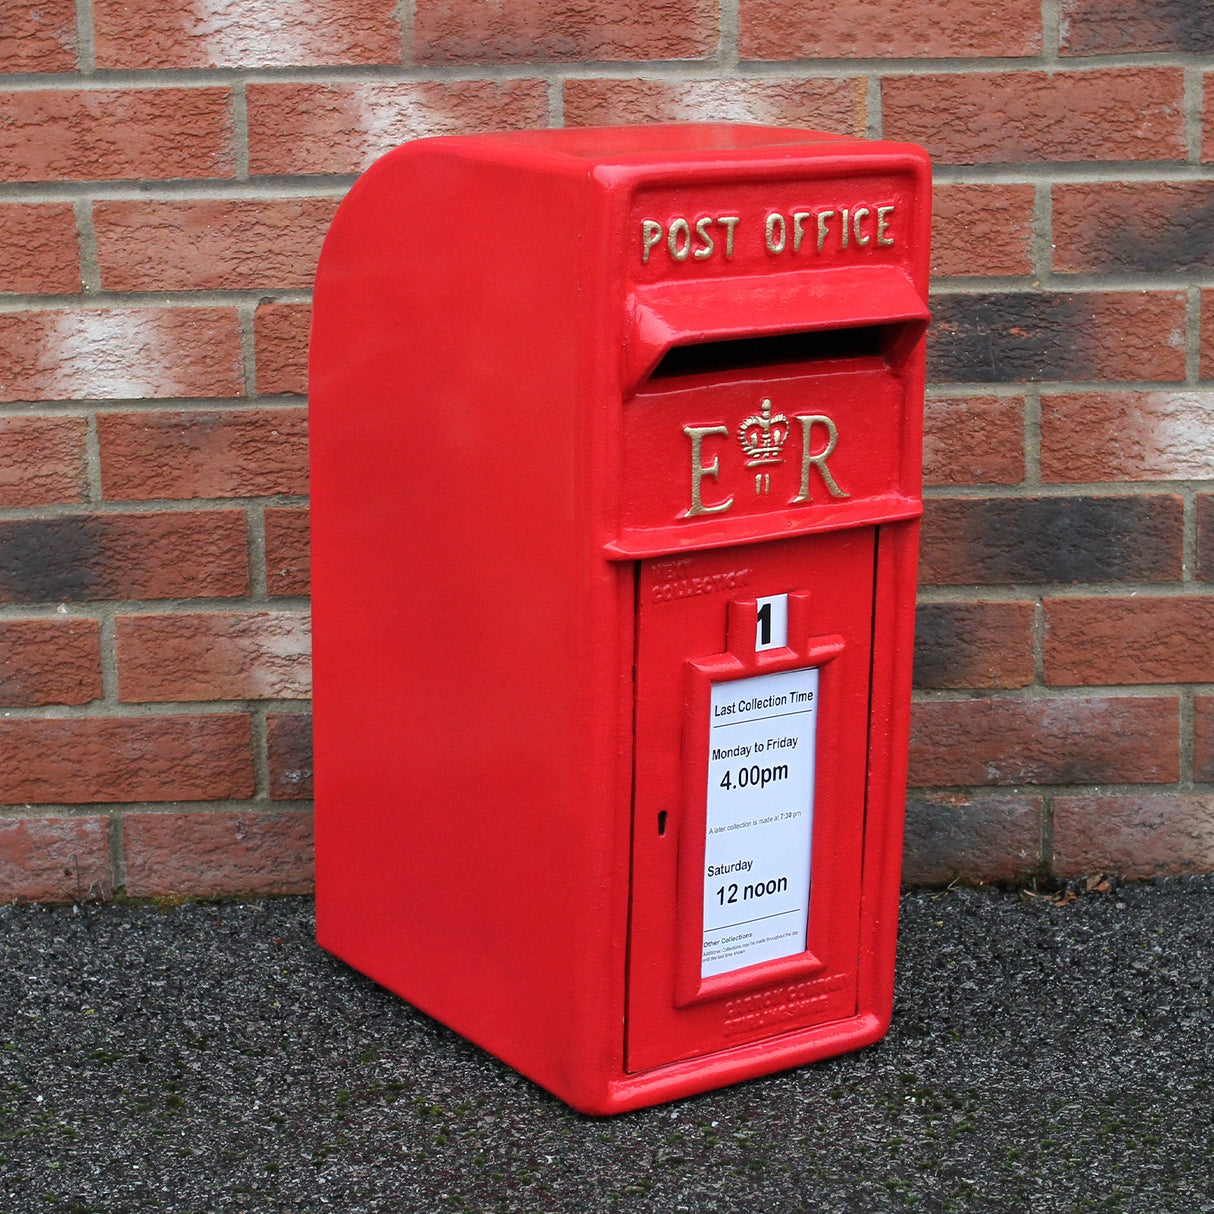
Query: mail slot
x=615 y=486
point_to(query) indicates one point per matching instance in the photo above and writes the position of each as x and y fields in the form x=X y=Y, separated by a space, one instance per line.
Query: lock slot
x=745 y=353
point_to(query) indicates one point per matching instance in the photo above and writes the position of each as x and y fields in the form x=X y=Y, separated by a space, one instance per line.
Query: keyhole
x=661 y=822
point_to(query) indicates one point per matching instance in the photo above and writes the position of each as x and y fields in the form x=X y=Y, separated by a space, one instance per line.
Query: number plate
x=761 y=748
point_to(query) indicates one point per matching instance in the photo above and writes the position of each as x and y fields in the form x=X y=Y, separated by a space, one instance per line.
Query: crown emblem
x=762 y=435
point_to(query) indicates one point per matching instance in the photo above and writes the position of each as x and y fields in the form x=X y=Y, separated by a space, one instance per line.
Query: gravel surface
x=210 y=1058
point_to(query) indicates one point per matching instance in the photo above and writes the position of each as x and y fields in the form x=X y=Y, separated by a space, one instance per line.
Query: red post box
x=616 y=478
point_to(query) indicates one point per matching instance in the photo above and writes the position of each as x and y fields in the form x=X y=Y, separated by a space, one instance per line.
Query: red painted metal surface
x=581 y=403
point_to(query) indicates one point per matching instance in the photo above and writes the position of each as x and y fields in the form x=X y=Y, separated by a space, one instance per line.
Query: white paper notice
x=761 y=743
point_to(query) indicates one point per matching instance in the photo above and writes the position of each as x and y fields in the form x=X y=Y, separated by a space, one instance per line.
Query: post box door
x=752 y=695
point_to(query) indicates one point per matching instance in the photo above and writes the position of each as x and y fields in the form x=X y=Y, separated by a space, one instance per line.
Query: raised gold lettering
x=775 y=243
x=823 y=230
x=808 y=422
x=700 y=470
x=730 y=222
x=679 y=228
x=859 y=214
x=882 y=225
x=651 y=233
x=846 y=230
x=798 y=233
x=702 y=226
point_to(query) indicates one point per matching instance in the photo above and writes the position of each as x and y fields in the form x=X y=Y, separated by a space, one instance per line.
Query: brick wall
x=169 y=168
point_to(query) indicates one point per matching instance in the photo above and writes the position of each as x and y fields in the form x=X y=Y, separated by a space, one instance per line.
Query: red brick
x=210 y=244
x=54 y=859
x=1110 y=27
x=982 y=229
x=42 y=459
x=1130 y=113
x=1139 y=836
x=288 y=555
x=537 y=31
x=973 y=440
x=1203 y=739
x=37 y=37
x=863 y=29
x=1011 y=541
x=280 y=332
x=836 y=105
x=262 y=655
x=1153 y=227
x=141 y=34
x=1092 y=740
x=1207 y=329
x=971 y=839
x=342 y=126
x=289 y=743
x=107 y=759
x=1205 y=537
x=1105 y=641
x=974 y=645
x=99 y=353
x=49 y=662
x=218 y=853
x=996 y=337
x=1127 y=436
x=164 y=555
x=105 y=134
x=39 y=252
x=196 y=454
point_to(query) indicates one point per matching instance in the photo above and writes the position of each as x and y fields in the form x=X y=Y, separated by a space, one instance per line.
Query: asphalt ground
x=1047 y=1054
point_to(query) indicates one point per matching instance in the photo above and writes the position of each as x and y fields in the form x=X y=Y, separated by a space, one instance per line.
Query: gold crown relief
x=762 y=436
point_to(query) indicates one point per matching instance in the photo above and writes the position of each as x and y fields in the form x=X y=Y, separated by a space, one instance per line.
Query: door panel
x=749 y=796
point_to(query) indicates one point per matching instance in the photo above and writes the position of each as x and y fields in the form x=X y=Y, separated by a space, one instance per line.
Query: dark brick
x=1148 y=226
x=999 y=541
x=173 y=554
x=289 y=741
x=1110 y=27
x=1099 y=335
x=972 y=839
x=974 y=645
x=1205 y=537
x=1088 y=740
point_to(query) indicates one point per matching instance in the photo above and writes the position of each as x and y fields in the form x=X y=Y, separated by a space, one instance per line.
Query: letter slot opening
x=744 y=353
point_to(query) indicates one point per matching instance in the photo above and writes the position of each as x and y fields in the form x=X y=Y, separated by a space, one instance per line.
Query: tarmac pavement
x=1047 y=1054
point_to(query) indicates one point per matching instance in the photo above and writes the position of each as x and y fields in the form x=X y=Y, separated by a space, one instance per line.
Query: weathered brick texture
x=138 y=34
x=232 y=244
x=99 y=353
x=216 y=656
x=1004 y=541
x=49 y=662
x=531 y=31
x=342 y=127
x=784 y=29
x=1129 y=113
x=973 y=440
x=218 y=853
x=54 y=859
x=78 y=558
x=78 y=135
x=830 y=105
x=233 y=453
x=39 y=249
x=950 y=837
x=288 y=557
x=100 y=759
x=289 y=743
x=974 y=645
x=1093 y=740
x=169 y=168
